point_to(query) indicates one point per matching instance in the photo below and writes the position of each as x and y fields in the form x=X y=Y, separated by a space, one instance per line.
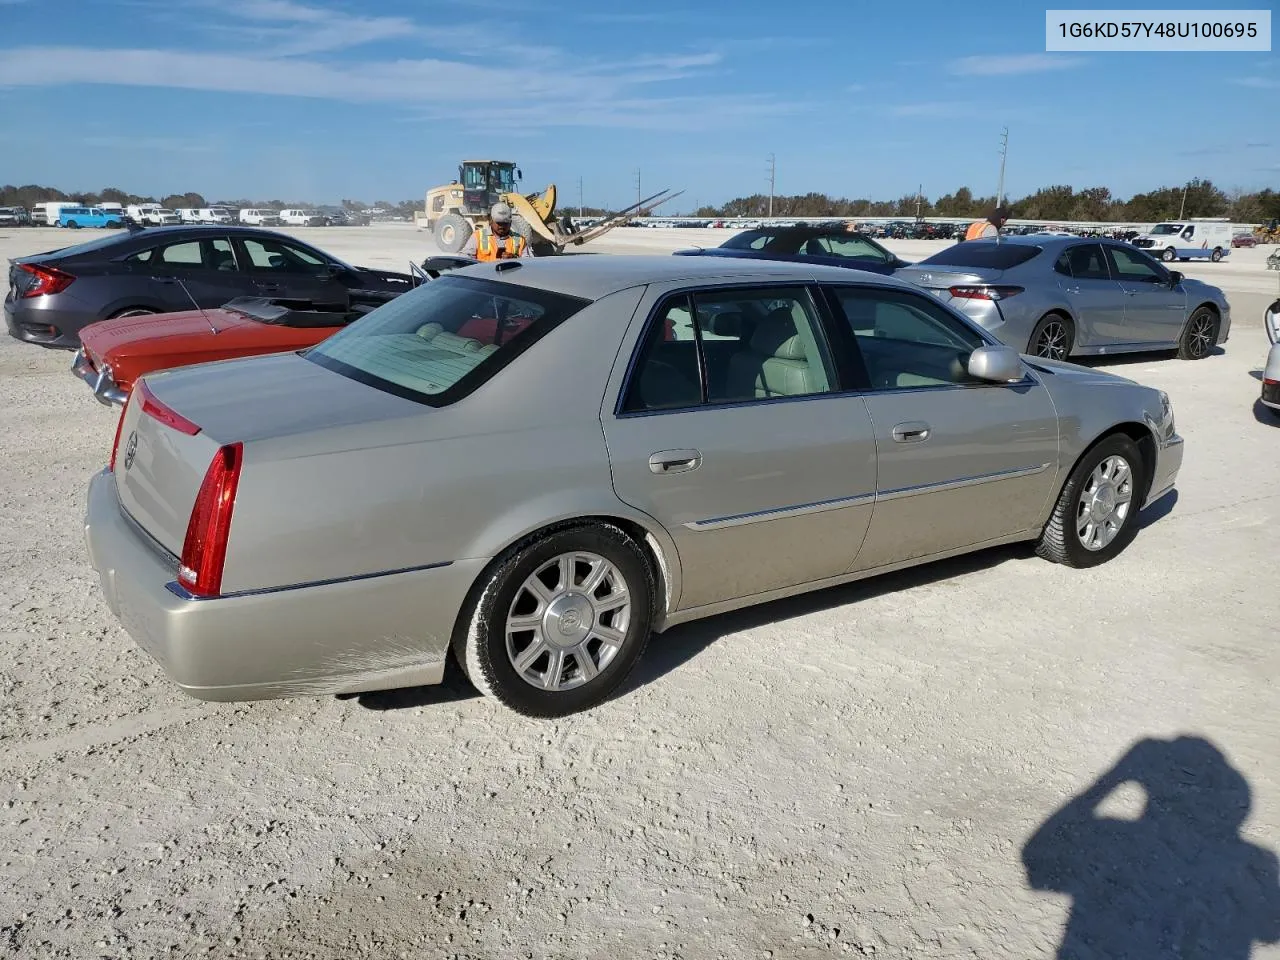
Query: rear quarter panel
x=455 y=483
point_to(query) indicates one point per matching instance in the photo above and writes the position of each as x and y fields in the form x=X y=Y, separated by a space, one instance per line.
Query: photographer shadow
x=1176 y=881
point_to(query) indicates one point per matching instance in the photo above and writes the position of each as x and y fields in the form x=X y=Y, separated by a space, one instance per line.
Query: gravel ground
x=852 y=773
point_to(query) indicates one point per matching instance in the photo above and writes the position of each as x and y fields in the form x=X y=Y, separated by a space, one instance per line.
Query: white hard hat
x=500 y=213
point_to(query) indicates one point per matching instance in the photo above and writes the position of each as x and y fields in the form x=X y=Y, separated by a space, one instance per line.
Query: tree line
x=1059 y=202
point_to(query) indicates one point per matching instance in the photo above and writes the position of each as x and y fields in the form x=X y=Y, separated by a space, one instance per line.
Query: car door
x=730 y=428
x=204 y=269
x=1154 y=308
x=279 y=268
x=1095 y=299
x=960 y=462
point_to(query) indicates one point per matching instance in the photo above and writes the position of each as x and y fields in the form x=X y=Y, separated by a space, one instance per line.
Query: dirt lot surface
x=853 y=773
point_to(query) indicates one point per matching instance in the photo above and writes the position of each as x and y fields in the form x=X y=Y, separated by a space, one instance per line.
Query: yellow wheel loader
x=453 y=212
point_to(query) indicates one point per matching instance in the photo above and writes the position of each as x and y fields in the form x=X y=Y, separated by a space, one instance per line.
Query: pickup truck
x=76 y=217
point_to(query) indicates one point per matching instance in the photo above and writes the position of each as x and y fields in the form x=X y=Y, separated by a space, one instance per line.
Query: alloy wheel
x=1104 y=503
x=1052 y=342
x=568 y=621
x=1200 y=339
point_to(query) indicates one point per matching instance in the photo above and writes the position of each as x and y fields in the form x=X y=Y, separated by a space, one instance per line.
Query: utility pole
x=638 y=194
x=919 y=197
x=773 y=171
x=1004 y=152
x=1183 y=209
x=580 y=206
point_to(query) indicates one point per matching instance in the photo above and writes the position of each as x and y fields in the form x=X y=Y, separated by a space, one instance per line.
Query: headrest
x=776 y=337
x=448 y=341
x=727 y=323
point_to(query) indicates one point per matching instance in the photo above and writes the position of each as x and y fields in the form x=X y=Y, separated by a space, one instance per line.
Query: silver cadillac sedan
x=1063 y=296
x=535 y=465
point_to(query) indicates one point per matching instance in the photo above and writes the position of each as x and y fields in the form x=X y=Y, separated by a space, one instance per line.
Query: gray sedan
x=535 y=465
x=1060 y=296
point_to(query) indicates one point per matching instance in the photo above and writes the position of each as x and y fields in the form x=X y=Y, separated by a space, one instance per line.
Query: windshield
x=439 y=342
x=1165 y=229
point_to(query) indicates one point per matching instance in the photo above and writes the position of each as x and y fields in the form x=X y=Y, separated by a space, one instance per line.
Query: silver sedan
x=1064 y=296
x=532 y=466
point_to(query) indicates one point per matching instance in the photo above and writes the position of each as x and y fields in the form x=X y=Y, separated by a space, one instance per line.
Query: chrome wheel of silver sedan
x=1200 y=335
x=568 y=621
x=1104 y=503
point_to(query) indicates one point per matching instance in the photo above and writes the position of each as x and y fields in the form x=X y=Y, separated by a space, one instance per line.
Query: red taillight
x=48 y=280
x=115 y=444
x=205 y=548
x=1267 y=382
x=984 y=292
x=170 y=418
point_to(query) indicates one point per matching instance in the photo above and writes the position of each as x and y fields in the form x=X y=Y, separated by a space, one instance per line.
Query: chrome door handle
x=1131 y=293
x=911 y=432
x=674 y=461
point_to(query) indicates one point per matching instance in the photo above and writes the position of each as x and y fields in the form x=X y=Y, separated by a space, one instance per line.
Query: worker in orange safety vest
x=988 y=229
x=496 y=241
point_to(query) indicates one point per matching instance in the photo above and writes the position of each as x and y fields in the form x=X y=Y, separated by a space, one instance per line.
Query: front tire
x=560 y=622
x=1169 y=255
x=1053 y=338
x=452 y=233
x=1096 y=515
x=1199 y=335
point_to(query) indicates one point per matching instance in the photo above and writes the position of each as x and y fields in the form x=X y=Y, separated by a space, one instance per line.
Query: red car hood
x=130 y=336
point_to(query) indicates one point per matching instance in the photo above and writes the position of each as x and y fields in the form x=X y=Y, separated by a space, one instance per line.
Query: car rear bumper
x=345 y=636
x=102 y=382
x=1271 y=379
x=30 y=321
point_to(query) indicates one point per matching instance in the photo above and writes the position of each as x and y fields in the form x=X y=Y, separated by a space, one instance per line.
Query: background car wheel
x=73 y=224
x=1096 y=515
x=1199 y=335
x=560 y=622
x=1169 y=255
x=1216 y=256
x=452 y=233
x=1053 y=338
x=132 y=312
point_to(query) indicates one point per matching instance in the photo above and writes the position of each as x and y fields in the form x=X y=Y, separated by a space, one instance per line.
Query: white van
x=302 y=218
x=46 y=214
x=151 y=214
x=116 y=208
x=1187 y=239
x=205 y=215
x=260 y=217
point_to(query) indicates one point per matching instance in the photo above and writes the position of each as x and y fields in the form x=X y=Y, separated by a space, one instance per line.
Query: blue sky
x=378 y=99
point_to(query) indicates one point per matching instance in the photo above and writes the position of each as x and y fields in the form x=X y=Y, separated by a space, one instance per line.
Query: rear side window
x=979 y=253
x=439 y=342
x=1083 y=262
x=731 y=346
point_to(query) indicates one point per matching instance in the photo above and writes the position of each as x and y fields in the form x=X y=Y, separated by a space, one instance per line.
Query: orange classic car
x=114 y=353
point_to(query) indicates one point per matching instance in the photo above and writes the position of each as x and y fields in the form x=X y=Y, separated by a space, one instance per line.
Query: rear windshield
x=977 y=253
x=439 y=342
x=89 y=246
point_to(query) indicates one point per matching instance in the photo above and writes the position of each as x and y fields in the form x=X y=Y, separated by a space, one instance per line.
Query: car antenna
x=195 y=303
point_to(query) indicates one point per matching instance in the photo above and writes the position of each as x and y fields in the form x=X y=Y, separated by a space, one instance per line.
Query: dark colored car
x=167 y=269
x=832 y=246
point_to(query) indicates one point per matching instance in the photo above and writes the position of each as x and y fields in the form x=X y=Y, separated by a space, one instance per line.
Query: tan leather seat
x=775 y=363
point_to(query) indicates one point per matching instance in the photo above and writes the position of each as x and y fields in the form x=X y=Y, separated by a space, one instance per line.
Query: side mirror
x=1175 y=277
x=1271 y=322
x=998 y=364
x=519 y=174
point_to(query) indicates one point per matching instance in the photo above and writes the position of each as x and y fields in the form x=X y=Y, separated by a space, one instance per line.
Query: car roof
x=592 y=276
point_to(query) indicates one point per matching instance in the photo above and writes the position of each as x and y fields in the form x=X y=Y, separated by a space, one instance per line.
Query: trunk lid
x=159 y=469
x=939 y=280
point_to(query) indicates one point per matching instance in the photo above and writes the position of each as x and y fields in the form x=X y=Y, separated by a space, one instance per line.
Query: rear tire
x=1216 y=256
x=1053 y=338
x=513 y=617
x=132 y=312
x=1096 y=515
x=1199 y=335
x=452 y=233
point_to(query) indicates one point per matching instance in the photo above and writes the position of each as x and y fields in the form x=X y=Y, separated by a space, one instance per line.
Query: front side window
x=907 y=341
x=280 y=257
x=1135 y=266
x=731 y=346
x=440 y=341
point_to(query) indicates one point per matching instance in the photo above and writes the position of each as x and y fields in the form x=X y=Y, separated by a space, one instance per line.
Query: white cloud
x=1261 y=83
x=932 y=108
x=998 y=65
